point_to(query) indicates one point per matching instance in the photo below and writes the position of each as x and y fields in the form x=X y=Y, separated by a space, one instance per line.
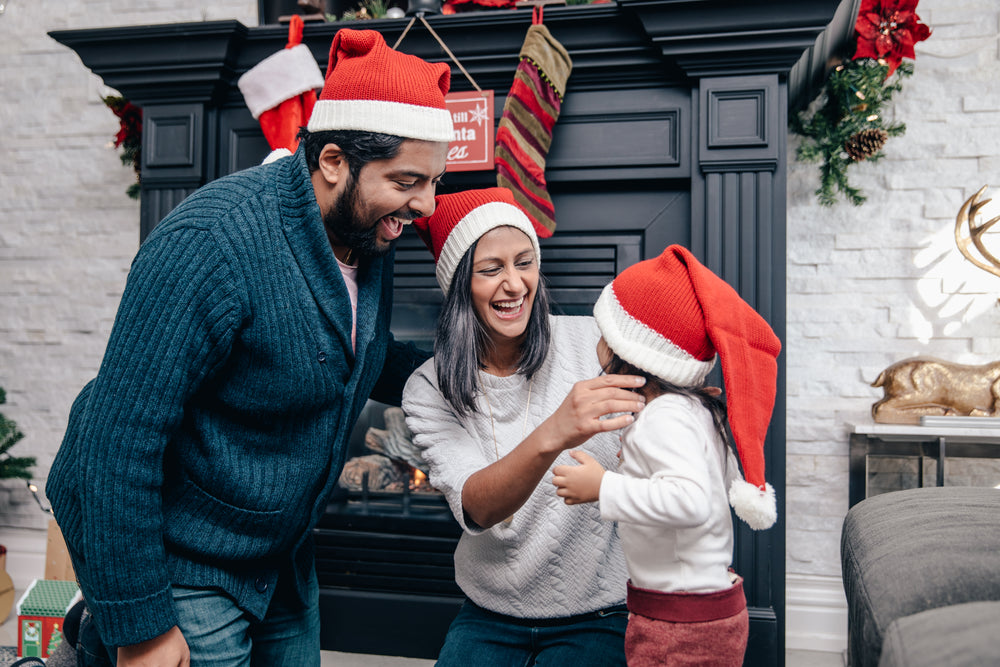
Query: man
x=253 y=328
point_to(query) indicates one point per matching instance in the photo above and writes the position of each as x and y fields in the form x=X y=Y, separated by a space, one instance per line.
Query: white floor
x=8 y=637
x=331 y=659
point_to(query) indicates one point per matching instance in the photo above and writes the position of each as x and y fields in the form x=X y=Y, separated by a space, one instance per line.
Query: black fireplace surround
x=673 y=130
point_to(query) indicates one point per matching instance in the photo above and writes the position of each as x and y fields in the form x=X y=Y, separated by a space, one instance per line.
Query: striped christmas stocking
x=529 y=114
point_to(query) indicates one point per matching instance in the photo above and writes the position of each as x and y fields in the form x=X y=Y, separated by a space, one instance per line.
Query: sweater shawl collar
x=302 y=224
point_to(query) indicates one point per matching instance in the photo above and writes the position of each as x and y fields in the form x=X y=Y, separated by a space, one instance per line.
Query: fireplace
x=384 y=555
x=673 y=130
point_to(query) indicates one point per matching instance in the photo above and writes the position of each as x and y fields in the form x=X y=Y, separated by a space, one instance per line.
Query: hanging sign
x=472 y=115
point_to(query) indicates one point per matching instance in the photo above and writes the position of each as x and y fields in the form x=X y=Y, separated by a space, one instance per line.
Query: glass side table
x=905 y=440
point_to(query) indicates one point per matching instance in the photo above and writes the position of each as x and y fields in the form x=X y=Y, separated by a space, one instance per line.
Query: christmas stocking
x=529 y=114
x=280 y=91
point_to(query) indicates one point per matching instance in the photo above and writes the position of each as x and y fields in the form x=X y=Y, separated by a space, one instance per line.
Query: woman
x=509 y=390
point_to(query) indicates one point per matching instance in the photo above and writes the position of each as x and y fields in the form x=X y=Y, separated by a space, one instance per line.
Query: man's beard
x=343 y=223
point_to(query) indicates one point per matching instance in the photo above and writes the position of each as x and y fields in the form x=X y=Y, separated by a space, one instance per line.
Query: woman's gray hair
x=462 y=341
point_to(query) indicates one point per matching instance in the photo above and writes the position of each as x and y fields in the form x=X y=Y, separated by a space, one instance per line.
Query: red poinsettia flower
x=131 y=124
x=888 y=29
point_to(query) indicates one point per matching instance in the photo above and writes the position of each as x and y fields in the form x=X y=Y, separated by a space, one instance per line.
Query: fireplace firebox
x=384 y=556
x=673 y=130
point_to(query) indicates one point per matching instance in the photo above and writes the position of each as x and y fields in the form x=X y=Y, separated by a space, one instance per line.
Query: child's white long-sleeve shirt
x=669 y=497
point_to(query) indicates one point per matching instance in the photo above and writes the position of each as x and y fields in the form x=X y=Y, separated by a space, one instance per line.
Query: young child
x=668 y=318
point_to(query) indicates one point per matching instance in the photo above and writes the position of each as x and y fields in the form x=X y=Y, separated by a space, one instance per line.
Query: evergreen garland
x=366 y=9
x=12 y=466
x=850 y=125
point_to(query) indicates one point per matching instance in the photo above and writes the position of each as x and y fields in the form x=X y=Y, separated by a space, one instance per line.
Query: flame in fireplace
x=419 y=478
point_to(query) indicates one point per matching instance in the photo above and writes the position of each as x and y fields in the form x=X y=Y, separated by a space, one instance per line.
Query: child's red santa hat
x=459 y=220
x=372 y=88
x=280 y=90
x=669 y=316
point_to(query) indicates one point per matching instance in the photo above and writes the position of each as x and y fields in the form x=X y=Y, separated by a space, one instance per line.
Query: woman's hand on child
x=579 y=484
x=582 y=413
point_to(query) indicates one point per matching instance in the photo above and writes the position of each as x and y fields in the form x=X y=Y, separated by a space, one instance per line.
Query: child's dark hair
x=714 y=404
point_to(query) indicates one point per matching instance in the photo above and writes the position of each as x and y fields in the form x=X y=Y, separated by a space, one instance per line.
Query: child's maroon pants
x=697 y=629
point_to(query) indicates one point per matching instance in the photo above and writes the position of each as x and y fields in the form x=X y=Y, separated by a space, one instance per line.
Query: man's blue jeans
x=480 y=637
x=220 y=634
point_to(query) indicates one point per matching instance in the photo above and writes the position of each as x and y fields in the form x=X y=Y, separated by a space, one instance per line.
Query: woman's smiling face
x=504 y=279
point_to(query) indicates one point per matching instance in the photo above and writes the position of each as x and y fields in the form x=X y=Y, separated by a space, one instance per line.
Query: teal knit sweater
x=206 y=448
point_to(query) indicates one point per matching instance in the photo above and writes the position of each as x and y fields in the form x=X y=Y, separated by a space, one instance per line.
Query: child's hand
x=579 y=484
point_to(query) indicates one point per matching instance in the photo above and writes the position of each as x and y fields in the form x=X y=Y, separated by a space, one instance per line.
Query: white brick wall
x=870 y=285
x=873 y=284
x=866 y=286
x=67 y=229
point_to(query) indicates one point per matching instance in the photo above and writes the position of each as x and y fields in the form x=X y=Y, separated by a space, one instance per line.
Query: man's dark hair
x=359 y=147
x=462 y=340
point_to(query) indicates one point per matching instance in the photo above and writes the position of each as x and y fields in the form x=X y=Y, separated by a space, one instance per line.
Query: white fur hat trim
x=643 y=347
x=477 y=222
x=279 y=77
x=396 y=118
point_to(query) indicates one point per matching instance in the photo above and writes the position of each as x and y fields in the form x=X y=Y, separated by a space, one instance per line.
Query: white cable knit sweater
x=553 y=560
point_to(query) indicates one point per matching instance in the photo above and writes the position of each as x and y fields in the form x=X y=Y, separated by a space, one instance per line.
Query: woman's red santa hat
x=671 y=316
x=459 y=220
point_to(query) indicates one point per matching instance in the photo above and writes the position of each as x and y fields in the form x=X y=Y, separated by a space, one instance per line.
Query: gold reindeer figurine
x=927 y=386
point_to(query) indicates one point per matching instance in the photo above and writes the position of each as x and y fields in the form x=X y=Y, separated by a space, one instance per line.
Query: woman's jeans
x=481 y=637
x=220 y=634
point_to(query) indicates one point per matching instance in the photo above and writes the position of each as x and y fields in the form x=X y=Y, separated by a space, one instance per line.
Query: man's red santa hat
x=671 y=316
x=372 y=88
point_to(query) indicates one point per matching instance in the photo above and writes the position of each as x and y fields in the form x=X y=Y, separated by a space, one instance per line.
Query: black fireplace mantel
x=183 y=74
x=673 y=130
x=632 y=41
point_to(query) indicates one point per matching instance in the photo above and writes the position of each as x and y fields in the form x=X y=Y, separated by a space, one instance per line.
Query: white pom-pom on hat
x=757 y=507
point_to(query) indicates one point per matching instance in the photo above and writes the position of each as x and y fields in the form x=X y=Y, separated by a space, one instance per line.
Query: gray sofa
x=921 y=571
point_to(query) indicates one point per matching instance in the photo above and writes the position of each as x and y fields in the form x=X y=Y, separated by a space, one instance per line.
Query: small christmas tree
x=55 y=639
x=12 y=466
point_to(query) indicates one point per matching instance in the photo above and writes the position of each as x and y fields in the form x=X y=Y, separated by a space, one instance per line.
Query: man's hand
x=579 y=484
x=168 y=650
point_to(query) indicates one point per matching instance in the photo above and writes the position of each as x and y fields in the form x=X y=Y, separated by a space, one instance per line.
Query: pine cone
x=865 y=144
